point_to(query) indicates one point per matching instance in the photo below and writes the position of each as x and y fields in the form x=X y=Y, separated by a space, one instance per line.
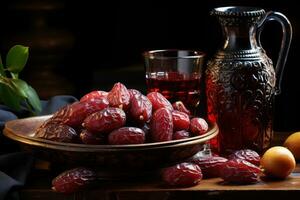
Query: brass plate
x=136 y=156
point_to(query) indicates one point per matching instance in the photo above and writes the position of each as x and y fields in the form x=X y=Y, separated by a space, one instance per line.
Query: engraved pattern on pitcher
x=243 y=89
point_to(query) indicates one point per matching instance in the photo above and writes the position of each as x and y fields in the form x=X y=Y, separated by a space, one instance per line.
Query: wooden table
x=39 y=187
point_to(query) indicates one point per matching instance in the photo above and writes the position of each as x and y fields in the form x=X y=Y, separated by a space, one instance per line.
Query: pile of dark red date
x=125 y=116
x=121 y=116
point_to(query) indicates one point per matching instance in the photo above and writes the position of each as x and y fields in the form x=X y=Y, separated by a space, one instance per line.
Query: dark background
x=78 y=46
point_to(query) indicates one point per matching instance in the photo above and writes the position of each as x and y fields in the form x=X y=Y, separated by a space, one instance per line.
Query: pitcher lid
x=238 y=11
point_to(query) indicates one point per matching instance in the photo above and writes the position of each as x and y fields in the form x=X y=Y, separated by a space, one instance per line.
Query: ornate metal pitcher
x=241 y=81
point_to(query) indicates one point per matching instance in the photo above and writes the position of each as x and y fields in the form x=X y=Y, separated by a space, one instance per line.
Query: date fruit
x=246 y=154
x=198 y=126
x=240 y=172
x=159 y=101
x=133 y=92
x=210 y=165
x=162 y=125
x=183 y=134
x=56 y=132
x=178 y=105
x=73 y=180
x=278 y=162
x=91 y=138
x=127 y=135
x=183 y=175
x=140 y=109
x=74 y=114
x=98 y=94
x=181 y=121
x=119 y=96
x=105 y=121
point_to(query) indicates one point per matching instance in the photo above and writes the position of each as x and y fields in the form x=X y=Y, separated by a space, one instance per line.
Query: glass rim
x=156 y=54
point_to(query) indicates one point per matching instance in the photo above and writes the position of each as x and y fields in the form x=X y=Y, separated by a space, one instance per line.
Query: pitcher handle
x=285 y=42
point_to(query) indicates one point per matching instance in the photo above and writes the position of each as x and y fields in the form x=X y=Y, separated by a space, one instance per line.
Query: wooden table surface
x=39 y=187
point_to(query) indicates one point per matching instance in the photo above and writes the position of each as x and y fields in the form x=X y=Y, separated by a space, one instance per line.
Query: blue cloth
x=15 y=165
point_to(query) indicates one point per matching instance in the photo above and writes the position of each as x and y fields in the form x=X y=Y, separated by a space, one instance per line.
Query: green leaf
x=27 y=92
x=20 y=87
x=14 y=76
x=3 y=80
x=7 y=81
x=34 y=99
x=16 y=58
x=9 y=98
x=2 y=72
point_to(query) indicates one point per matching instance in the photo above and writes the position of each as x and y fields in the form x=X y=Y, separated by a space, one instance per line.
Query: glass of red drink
x=176 y=74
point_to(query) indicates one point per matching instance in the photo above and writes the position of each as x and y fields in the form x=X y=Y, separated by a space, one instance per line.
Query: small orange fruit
x=278 y=162
x=293 y=144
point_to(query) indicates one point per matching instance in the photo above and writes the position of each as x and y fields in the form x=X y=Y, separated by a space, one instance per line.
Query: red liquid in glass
x=176 y=87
